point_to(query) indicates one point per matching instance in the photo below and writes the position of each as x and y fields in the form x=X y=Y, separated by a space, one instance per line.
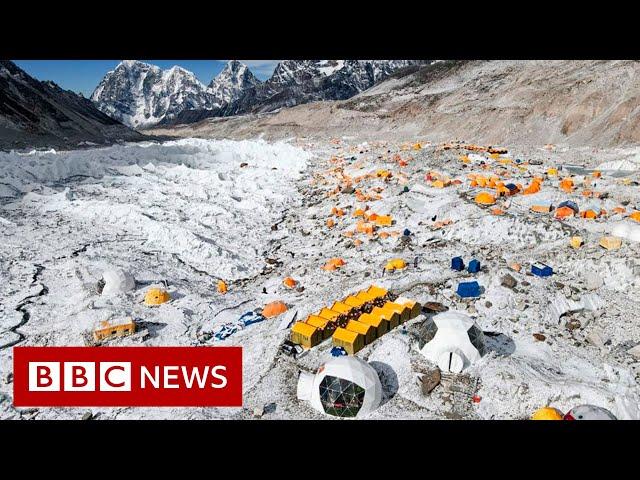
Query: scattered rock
x=488 y=304
x=435 y=307
x=243 y=164
x=635 y=351
x=429 y=381
x=521 y=305
x=539 y=337
x=258 y=412
x=598 y=339
x=508 y=281
x=559 y=285
x=88 y=415
x=349 y=189
x=573 y=324
x=8 y=378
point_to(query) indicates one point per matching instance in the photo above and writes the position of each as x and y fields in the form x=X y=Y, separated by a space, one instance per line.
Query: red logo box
x=127 y=376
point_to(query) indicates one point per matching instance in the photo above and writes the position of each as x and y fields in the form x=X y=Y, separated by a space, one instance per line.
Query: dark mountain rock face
x=41 y=114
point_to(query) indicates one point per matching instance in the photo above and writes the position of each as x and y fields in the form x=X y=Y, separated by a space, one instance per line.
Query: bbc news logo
x=127 y=376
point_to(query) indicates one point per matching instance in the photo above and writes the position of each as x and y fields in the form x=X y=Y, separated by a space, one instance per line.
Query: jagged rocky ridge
x=143 y=95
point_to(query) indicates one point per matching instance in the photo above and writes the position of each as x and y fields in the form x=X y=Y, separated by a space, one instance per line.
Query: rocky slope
x=41 y=114
x=594 y=103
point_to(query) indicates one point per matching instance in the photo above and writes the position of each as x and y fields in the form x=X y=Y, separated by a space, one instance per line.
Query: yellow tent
x=404 y=311
x=354 y=302
x=414 y=307
x=306 y=335
x=391 y=317
x=377 y=292
x=349 y=340
x=379 y=324
x=329 y=314
x=485 y=198
x=547 y=413
x=156 y=296
x=611 y=243
x=395 y=264
x=363 y=329
x=325 y=326
x=576 y=242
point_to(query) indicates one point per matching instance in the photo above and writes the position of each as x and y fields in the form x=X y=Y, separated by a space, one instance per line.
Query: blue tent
x=457 y=264
x=572 y=205
x=474 y=266
x=541 y=270
x=468 y=289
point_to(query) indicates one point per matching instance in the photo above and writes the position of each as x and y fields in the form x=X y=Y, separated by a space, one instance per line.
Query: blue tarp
x=227 y=329
x=338 y=351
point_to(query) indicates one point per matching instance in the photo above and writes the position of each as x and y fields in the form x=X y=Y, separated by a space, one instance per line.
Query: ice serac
x=141 y=95
x=41 y=114
x=233 y=81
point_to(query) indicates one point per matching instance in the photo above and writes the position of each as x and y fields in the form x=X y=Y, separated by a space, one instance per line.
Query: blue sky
x=84 y=75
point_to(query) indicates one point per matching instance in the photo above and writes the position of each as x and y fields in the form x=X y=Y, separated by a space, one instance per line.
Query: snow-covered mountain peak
x=140 y=94
x=232 y=82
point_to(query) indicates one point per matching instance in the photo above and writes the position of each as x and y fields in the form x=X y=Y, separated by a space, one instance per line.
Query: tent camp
x=345 y=386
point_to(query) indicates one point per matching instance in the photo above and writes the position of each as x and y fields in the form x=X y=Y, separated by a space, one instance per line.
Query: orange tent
x=333 y=264
x=485 y=198
x=289 y=282
x=531 y=189
x=330 y=223
x=635 y=216
x=222 y=287
x=564 y=212
x=566 y=185
x=274 y=309
x=365 y=227
x=589 y=214
x=383 y=220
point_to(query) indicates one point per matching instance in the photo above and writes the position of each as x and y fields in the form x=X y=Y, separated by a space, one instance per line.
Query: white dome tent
x=453 y=342
x=589 y=412
x=343 y=387
x=117 y=281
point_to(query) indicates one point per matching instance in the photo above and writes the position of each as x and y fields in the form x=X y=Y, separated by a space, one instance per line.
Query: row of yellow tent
x=356 y=321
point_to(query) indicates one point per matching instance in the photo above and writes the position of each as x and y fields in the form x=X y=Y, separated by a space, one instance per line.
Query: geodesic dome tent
x=589 y=412
x=453 y=341
x=345 y=386
x=117 y=281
